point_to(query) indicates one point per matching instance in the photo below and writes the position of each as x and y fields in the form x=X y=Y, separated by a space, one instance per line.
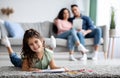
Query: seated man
x=88 y=30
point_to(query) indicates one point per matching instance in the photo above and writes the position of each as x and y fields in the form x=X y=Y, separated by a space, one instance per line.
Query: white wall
x=38 y=10
x=103 y=12
x=103 y=18
x=84 y=6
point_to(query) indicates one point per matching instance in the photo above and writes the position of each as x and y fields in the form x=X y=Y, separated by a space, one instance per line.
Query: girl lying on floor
x=34 y=56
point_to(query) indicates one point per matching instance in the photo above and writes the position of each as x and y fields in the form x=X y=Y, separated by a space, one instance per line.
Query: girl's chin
x=38 y=50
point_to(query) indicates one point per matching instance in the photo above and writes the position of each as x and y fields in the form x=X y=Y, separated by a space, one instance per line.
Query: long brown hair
x=27 y=53
x=60 y=16
x=61 y=13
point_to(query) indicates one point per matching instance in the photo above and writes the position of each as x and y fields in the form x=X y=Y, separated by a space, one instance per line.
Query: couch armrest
x=105 y=37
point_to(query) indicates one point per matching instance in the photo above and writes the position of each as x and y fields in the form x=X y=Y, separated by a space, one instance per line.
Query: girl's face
x=65 y=14
x=35 y=44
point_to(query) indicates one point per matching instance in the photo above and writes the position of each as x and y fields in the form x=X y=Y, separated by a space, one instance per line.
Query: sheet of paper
x=77 y=23
x=53 y=70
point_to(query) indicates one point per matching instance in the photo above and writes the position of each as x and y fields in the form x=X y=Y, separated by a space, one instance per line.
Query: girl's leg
x=15 y=60
x=52 y=42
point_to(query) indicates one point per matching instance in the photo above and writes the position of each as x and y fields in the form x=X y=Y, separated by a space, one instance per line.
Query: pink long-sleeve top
x=63 y=25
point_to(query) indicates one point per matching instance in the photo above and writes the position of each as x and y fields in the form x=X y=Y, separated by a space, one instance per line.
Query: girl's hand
x=66 y=69
x=37 y=70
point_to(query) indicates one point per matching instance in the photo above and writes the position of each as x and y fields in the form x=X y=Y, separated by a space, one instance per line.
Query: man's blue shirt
x=87 y=22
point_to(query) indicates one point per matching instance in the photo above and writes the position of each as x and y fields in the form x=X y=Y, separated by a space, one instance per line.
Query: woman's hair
x=60 y=14
x=27 y=53
x=54 y=29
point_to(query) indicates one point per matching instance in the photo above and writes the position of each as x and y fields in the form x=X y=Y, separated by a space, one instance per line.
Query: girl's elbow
x=25 y=69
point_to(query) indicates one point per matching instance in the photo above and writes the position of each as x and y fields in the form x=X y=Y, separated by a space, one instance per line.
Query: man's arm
x=87 y=32
x=90 y=24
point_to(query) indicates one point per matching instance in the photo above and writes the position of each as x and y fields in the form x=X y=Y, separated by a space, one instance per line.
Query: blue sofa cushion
x=14 y=29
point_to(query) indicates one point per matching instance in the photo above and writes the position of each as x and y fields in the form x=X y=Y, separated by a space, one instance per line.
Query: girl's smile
x=35 y=44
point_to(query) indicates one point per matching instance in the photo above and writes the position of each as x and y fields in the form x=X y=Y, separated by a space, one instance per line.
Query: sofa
x=45 y=29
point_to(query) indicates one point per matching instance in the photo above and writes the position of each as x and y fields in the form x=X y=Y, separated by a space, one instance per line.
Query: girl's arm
x=54 y=66
x=25 y=67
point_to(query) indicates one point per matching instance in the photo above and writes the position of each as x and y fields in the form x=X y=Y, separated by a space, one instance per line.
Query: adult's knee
x=70 y=42
x=69 y=37
x=73 y=30
x=80 y=34
x=98 y=31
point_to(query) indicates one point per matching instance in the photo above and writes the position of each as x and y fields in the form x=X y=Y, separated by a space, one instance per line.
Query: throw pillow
x=14 y=29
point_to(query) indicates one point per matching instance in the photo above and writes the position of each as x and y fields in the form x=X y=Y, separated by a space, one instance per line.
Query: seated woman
x=65 y=29
x=35 y=56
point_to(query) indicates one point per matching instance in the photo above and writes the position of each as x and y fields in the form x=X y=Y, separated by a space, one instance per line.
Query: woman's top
x=63 y=25
x=44 y=62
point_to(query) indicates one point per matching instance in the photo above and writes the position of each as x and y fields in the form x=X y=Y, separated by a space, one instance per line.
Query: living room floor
x=100 y=68
x=61 y=59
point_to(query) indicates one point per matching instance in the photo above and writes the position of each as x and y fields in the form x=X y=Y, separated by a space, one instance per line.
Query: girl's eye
x=30 y=44
x=36 y=41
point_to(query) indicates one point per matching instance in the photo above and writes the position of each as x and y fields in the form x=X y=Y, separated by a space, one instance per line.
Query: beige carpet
x=89 y=71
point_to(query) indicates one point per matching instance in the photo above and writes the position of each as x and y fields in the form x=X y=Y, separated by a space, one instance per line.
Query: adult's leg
x=72 y=32
x=81 y=38
x=15 y=60
x=64 y=35
x=81 y=47
x=71 y=46
x=75 y=36
x=82 y=43
x=96 y=34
